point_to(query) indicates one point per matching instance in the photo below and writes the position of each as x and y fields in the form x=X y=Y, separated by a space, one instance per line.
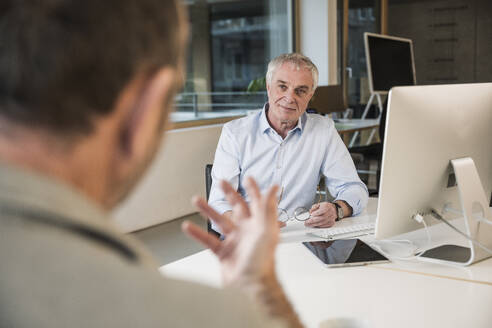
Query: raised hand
x=251 y=235
x=247 y=255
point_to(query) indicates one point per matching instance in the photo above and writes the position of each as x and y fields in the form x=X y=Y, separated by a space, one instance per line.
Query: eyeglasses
x=300 y=214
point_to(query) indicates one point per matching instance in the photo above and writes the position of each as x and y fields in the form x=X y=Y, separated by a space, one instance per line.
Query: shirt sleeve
x=226 y=167
x=342 y=179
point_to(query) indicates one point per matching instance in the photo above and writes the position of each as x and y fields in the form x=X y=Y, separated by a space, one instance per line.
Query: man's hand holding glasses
x=320 y=215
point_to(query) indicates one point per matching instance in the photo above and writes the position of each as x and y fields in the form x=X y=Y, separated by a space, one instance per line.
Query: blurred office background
x=232 y=41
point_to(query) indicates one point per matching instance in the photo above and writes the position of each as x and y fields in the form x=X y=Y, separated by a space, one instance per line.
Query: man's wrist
x=338 y=211
x=347 y=209
x=268 y=292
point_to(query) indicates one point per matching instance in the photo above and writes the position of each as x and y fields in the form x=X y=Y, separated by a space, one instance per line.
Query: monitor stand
x=472 y=196
x=448 y=253
x=364 y=114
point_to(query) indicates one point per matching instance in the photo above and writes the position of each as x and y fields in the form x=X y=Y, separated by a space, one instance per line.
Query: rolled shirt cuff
x=358 y=201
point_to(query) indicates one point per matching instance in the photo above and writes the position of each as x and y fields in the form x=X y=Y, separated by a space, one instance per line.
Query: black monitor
x=390 y=62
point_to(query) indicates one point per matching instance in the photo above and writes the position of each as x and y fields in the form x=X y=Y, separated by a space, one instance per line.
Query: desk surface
x=352 y=125
x=397 y=294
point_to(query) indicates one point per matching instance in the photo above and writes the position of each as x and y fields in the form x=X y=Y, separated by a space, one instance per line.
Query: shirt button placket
x=280 y=156
x=278 y=164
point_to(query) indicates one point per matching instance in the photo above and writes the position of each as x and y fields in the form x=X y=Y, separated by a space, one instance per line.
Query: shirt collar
x=265 y=126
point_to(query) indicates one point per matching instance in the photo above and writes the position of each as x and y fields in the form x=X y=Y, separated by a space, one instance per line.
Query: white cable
x=394 y=257
x=480 y=218
x=429 y=241
x=420 y=219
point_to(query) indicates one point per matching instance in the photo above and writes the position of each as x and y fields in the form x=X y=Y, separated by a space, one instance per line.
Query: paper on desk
x=296 y=231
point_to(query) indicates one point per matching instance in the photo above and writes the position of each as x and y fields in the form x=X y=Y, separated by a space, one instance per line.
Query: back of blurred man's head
x=64 y=62
x=85 y=88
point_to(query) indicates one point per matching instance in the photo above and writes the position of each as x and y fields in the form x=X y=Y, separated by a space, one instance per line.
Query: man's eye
x=283 y=87
x=301 y=92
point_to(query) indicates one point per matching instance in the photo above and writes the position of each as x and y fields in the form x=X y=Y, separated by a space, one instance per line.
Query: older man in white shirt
x=283 y=145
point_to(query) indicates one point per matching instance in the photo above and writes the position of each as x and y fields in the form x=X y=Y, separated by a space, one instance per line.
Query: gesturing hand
x=247 y=253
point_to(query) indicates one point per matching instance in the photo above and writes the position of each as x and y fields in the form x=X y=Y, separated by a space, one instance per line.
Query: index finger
x=224 y=223
x=253 y=189
x=314 y=208
x=203 y=237
x=235 y=199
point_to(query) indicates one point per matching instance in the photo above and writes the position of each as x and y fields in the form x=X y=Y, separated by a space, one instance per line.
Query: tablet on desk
x=344 y=252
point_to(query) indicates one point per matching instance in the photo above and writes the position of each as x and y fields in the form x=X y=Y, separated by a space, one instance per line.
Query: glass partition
x=357 y=17
x=231 y=43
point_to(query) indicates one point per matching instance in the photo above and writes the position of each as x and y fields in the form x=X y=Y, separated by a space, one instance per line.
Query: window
x=231 y=43
x=363 y=16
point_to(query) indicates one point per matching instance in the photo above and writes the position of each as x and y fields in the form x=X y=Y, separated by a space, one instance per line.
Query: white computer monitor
x=426 y=128
x=390 y=62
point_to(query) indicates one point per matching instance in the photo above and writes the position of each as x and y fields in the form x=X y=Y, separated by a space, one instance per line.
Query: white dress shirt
x=249 y=146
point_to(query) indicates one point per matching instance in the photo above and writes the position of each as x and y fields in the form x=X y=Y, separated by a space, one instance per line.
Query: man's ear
x=145 y=114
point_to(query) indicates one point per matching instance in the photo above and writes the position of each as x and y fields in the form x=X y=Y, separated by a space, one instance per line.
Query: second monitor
x=390 y=62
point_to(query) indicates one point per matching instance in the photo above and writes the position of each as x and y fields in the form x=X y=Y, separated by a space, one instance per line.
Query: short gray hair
x=296 y=59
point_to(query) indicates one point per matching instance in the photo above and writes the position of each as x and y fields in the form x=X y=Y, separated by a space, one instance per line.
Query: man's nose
x=290 y=96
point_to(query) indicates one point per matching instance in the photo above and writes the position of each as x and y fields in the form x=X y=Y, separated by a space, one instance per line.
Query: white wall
x=177 y=173
x=318 y=37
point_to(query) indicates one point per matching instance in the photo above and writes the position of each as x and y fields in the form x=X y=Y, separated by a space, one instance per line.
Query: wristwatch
x=339 y=210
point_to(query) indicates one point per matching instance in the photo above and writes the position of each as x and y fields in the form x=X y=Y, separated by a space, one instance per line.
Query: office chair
x=208 y=185
x=372 y=151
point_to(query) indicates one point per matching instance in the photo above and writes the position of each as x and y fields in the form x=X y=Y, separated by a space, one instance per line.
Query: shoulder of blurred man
x=66 y=265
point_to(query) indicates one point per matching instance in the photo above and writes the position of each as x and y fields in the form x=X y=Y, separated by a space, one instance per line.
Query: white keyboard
x=350 y=231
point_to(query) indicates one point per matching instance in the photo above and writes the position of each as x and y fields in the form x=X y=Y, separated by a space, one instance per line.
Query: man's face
x=289 y=93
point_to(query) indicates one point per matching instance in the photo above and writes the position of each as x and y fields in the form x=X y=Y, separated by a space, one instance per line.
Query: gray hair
x=296 y=59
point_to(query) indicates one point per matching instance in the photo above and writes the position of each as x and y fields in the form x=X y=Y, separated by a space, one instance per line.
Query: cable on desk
x=420 y=219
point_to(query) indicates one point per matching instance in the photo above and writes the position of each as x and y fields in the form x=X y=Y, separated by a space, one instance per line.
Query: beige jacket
x=63 y=264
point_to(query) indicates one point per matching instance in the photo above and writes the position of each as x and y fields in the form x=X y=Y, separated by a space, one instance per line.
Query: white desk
x=352 y=125
x=398 y=294
x=346 y=127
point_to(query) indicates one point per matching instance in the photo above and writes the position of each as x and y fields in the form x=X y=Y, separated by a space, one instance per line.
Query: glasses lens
x=301 y=214
x=282 y=215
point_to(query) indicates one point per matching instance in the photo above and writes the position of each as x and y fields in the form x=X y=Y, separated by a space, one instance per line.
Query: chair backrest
x=208 y=185
x=208 y=179
x=328 y=99
x=382 y=121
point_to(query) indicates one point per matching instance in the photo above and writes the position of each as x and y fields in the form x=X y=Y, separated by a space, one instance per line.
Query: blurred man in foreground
x=85 y=92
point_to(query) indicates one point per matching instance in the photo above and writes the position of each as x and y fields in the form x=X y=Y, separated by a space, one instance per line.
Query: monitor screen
x=390 y=62
x=426 y=128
